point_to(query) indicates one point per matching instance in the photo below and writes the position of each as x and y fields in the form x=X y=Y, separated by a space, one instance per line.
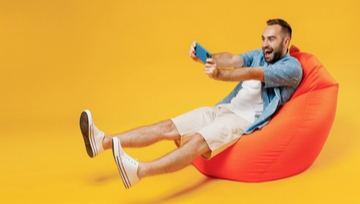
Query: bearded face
x=274 y=46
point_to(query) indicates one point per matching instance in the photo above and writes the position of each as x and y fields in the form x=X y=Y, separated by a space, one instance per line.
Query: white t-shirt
x=248 y=103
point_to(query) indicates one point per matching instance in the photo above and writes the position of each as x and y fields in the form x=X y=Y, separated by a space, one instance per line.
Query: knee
x=200 y=143
x=197 y=139
x=168 y=129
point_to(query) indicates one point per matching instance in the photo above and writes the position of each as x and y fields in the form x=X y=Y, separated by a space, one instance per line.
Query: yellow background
x=127 y=61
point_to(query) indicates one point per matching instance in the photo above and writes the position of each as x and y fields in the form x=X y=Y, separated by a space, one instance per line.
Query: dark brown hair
x=285 y=27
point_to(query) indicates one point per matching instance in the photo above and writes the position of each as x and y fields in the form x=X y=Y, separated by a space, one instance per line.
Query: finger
x=210 y=61
x=207 y=71
x=192 y=54
x=192 y=47
x=192 y=50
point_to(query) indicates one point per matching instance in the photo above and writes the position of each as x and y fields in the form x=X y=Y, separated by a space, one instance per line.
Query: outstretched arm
x=227 y=60
x=215 y=67
x=236 y=74
x=224 y=60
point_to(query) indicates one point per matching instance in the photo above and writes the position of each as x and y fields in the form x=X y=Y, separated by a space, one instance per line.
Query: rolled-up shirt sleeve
x=283 y=73
x=250 y=58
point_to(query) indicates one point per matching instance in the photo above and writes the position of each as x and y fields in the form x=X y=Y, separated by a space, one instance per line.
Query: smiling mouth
x=267 y=53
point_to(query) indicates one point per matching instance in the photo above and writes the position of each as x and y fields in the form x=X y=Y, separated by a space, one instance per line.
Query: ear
x=286 y=42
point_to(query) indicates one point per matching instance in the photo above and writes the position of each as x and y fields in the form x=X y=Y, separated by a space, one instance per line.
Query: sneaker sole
x=119 y=164
x=85 y=121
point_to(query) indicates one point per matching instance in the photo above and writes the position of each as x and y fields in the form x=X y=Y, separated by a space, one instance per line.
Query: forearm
x=226 y=60
x=240 y=74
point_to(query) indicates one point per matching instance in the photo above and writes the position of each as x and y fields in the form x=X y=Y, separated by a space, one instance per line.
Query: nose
x=265 y=43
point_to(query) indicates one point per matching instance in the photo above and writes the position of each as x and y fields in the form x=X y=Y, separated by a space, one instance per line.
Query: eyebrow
x=271 y=36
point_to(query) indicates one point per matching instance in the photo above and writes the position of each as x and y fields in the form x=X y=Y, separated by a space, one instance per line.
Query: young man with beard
x=267 y=79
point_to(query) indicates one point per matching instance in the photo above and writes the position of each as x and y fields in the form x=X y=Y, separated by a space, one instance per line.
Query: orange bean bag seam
x=292 y=137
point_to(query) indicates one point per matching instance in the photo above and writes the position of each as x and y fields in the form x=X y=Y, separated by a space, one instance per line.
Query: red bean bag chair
x=293 y=138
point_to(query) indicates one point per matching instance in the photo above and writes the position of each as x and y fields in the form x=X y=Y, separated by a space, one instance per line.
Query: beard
x=276 y=57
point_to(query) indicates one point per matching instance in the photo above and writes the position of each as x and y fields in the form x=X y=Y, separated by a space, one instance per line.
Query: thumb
x=210 y=61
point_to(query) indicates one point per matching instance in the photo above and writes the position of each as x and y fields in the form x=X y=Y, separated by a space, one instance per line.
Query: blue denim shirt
x=281 y=80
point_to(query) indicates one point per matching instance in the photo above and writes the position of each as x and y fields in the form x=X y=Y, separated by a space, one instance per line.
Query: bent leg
x=175 y=160
x=146 y=135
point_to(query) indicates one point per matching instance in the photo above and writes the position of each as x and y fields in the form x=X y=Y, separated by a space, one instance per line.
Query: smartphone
x=202 y=53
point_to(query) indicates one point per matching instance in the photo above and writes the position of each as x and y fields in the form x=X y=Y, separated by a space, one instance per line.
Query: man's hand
x=211 y=68
x=192 y=53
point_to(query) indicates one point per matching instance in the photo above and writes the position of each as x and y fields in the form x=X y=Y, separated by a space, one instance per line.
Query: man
x=268 y=77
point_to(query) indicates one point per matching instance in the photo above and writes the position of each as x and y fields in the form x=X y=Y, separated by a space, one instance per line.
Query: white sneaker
x=127 y=166
x=93 y=137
